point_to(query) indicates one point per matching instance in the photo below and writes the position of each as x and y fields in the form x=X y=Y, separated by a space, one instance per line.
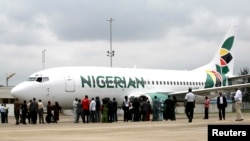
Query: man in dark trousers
x=17 y=107
x=189 y=104
x=136 y=108
x=115 y=109
x=33 y=111
x=221 y=105
x=169 y=107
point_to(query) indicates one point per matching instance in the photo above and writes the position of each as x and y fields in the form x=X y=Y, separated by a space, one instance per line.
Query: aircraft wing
x=238 y=78
x=210 y=92
x=205 y=91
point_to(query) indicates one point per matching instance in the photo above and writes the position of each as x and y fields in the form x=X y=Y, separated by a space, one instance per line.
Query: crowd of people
x=140 y=109
x=104 y=110
x=94 y=110
x=137 y=109
x=33 y=112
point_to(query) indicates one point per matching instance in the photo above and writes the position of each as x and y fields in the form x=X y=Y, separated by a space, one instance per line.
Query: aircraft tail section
x=222 y=64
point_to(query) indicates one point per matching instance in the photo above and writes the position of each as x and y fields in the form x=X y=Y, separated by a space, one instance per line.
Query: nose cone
x=19 y=91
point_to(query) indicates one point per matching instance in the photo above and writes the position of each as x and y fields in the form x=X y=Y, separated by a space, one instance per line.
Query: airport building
x=5 y=96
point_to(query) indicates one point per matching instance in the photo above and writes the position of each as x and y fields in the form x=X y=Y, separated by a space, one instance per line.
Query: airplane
x=64 y=84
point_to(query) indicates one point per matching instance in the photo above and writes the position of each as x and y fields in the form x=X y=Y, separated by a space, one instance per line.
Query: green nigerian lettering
x=112 y=82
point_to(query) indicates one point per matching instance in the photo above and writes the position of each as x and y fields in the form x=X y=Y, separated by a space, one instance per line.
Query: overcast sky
x=161 y=34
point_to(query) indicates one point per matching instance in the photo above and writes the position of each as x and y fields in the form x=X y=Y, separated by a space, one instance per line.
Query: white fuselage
x=67 y=83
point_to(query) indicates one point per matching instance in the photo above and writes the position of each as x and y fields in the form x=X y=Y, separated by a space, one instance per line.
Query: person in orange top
x=85 y=107
x=206 y=107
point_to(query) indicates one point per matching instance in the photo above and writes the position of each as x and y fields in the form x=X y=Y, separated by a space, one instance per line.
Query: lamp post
x=111 y=53
x=8 y=77
x=43 y=59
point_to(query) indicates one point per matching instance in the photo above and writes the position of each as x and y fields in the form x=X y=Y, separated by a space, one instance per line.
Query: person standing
x=40 y=111
x=125 y=107
x=28 y=112
x=24 y=111
x=221 y=105
x=33 y=111
x=189 y=104
x=115 y=109
x=6 y=113
x=110 y=110
x=144 y=110
x=168 y=110
x=85 y=106
x=98 y=109
x=206 y=107
x=104 y=110
x=79 y=111
x=174 y=106
x=57 y=109
x=75 y=114
x=17 y=106
x=92 y=108
x=2 y=112
x=49 y=117
x=149 y=111
x=156 y=109
x=136 y=109
x=238 y=104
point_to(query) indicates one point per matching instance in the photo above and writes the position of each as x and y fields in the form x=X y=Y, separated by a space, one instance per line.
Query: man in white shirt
x=75 y=102
x=92 y=108
x=189 y=104
x=2 y=112
x=40 y=111
x=238 y=103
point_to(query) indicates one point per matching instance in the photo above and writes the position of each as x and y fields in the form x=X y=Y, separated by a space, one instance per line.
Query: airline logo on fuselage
x=112 y=82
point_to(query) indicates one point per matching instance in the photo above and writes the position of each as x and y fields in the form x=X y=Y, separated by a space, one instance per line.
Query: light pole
x=43 y=58
x=111 y=53
x=8 y=77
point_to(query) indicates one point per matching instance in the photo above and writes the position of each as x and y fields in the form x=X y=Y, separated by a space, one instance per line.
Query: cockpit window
x=38 y=79
x=32 y=79
x=45 y=79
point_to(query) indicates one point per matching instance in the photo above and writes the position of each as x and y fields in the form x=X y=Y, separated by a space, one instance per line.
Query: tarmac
x=66 y=130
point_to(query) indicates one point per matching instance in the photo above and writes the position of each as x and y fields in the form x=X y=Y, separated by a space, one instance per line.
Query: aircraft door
x=69 y=83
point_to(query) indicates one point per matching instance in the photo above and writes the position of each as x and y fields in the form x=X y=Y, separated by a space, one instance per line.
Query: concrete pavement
x=66 y=130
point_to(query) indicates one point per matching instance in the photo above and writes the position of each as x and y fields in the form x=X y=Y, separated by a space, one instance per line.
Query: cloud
x=160 y=34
